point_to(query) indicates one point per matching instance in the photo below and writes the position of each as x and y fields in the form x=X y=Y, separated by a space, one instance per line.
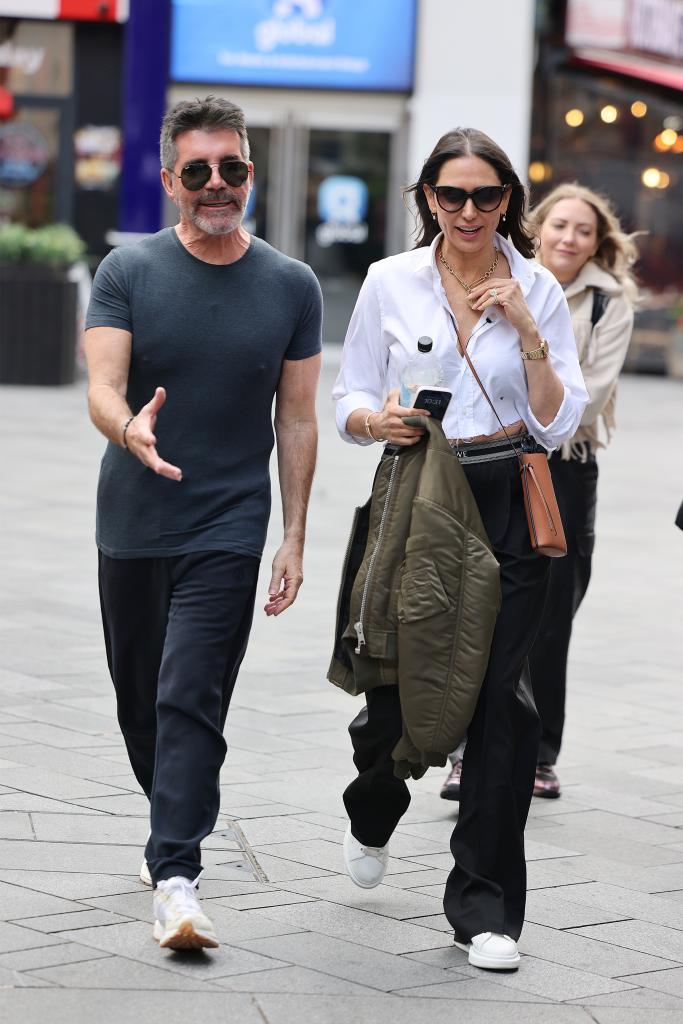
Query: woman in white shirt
x=582 y=243
x=469 y=280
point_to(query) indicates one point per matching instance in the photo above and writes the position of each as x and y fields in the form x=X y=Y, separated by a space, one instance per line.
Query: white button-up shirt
x=403 y=298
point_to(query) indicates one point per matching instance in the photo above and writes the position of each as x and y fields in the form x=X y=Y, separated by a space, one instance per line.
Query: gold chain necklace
x=468 y=287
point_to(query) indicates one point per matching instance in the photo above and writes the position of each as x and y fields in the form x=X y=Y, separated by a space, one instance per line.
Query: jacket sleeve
x=555 y=325
x=360 y=382
x=606 y=354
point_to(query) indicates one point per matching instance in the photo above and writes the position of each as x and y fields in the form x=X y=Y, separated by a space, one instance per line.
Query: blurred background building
x=344 y=100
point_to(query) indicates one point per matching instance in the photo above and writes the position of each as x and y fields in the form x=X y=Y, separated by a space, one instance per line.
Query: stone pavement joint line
x=603 y=942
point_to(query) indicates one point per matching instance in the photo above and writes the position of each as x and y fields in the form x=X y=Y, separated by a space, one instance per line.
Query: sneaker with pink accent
x=180 y=921
x=546 y=783
x=451 y=787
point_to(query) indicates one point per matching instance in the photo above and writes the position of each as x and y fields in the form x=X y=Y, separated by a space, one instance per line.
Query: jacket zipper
x=358 y=626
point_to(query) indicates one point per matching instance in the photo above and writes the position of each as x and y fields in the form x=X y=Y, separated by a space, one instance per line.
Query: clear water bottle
x=423 y=370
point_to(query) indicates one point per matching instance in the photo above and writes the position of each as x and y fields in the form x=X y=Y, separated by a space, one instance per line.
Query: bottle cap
x=424 y=344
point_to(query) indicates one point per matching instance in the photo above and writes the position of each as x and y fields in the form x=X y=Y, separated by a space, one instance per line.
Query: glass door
x=347 y=190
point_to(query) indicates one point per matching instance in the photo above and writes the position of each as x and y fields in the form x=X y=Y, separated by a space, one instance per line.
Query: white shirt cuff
x=562 y=427
x=348 y=404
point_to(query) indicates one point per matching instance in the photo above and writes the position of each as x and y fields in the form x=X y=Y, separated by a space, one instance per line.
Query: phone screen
x=434 y=401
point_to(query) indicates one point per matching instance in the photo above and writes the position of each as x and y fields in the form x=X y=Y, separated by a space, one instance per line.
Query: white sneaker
x=180 y=922
x=492 y=952
x=365 y=865
x=145 y=876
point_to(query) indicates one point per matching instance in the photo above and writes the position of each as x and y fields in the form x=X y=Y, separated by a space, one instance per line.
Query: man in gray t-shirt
x=191 y=334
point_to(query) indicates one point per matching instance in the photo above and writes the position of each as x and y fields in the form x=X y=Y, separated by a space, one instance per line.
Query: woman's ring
x=494 y=295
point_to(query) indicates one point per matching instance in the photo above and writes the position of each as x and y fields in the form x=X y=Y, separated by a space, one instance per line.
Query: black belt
x=499 y=448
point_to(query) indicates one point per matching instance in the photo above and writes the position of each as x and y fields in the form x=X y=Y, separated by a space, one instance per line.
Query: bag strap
x=600 y=300
x=463 y=349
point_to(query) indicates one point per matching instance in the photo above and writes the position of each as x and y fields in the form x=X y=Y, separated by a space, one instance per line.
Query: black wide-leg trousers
x=576 y=485
x=176 y=630
x=486 y=889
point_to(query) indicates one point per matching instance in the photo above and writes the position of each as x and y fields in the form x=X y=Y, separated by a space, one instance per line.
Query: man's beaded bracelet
x=125 y=428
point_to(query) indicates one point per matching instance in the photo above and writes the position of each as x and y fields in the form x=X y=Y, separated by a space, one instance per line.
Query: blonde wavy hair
x=617 y=251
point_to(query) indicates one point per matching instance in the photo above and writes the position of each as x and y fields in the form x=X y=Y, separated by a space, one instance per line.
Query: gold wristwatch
x=537 y=353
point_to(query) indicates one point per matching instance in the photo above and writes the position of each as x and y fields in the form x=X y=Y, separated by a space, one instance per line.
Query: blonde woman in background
x=582 y=243
x=580 y=240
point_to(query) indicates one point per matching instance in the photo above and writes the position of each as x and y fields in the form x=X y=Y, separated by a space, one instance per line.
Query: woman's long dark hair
x=470 y=142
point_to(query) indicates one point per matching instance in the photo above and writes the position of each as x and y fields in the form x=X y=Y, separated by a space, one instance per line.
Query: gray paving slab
x=464 y=988
x=272 y=898
x=670 y=981
x=556 y=909
x=70 y=885
x=298 y=980
x=15 y=800
x=385 y=900
x=120 y=973
x=19 y=901
x=43 y=782
x=580 y=948
x=45 y=856
x=552 y=980
x=612 y=1015
x=16 y=825
x=14 y=937
x=347 y=960
x=649 y=938
x=360 y=926
x=135 y=942
x=61 y=1006
x=663 y=909
x=642 y=999
x=49 y=956
x=283 y=1009
x=85 y=917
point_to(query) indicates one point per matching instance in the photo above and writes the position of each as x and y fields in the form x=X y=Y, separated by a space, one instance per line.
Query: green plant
x=55 y=245
x=13 y=243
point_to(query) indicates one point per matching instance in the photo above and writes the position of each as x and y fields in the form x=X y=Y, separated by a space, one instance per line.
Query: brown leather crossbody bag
x=543 y=516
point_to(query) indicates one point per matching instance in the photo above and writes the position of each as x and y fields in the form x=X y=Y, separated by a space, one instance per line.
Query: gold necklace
x=468 y=287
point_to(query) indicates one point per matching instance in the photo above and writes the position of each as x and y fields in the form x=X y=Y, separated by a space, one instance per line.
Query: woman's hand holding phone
x=388 y=423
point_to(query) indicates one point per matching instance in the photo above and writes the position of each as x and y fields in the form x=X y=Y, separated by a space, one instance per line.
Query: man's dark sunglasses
x=486 y=198
x=196 y=174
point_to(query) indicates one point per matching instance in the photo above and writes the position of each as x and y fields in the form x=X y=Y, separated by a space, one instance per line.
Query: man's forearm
x=297 y=447
x=109 y=411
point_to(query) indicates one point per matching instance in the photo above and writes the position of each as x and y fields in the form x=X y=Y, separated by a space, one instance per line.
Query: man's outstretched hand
x=286 y=578
x=141 y=440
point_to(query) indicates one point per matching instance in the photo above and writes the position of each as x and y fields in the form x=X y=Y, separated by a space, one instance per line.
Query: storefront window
x=623 y=139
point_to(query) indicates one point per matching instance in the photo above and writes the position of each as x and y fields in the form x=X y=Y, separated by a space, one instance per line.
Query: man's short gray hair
x=211 y=114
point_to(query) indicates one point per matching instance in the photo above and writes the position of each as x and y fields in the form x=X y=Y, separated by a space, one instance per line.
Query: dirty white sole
x=185 y=933
x=488 y=963
x=145 y=876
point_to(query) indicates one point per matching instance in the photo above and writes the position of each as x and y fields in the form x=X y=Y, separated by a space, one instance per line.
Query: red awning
x=657 y=71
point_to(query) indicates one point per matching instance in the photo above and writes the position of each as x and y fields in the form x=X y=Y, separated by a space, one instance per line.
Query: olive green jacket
x=419 y=598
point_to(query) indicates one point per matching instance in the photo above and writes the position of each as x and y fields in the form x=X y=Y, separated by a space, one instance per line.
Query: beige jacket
x=602 y=351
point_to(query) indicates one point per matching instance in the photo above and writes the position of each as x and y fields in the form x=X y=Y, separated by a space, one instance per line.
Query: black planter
x=37 y=325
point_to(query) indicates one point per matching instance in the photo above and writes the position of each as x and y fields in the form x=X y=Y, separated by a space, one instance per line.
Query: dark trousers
x=576 y=489
x=175 y=631
x=486 y=890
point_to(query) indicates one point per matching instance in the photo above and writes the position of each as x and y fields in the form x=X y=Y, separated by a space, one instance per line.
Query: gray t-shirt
x=215 y=336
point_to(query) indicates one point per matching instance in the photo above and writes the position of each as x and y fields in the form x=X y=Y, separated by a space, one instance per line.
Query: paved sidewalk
x=604 y=938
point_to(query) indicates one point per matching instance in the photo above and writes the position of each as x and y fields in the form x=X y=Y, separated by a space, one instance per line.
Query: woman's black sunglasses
x=196 y=174
x=486 y=198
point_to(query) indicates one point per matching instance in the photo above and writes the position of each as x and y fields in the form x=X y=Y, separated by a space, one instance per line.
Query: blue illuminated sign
x=323 y=44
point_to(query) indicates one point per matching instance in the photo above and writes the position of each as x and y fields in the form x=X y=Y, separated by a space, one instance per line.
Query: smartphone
x=434 y=400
